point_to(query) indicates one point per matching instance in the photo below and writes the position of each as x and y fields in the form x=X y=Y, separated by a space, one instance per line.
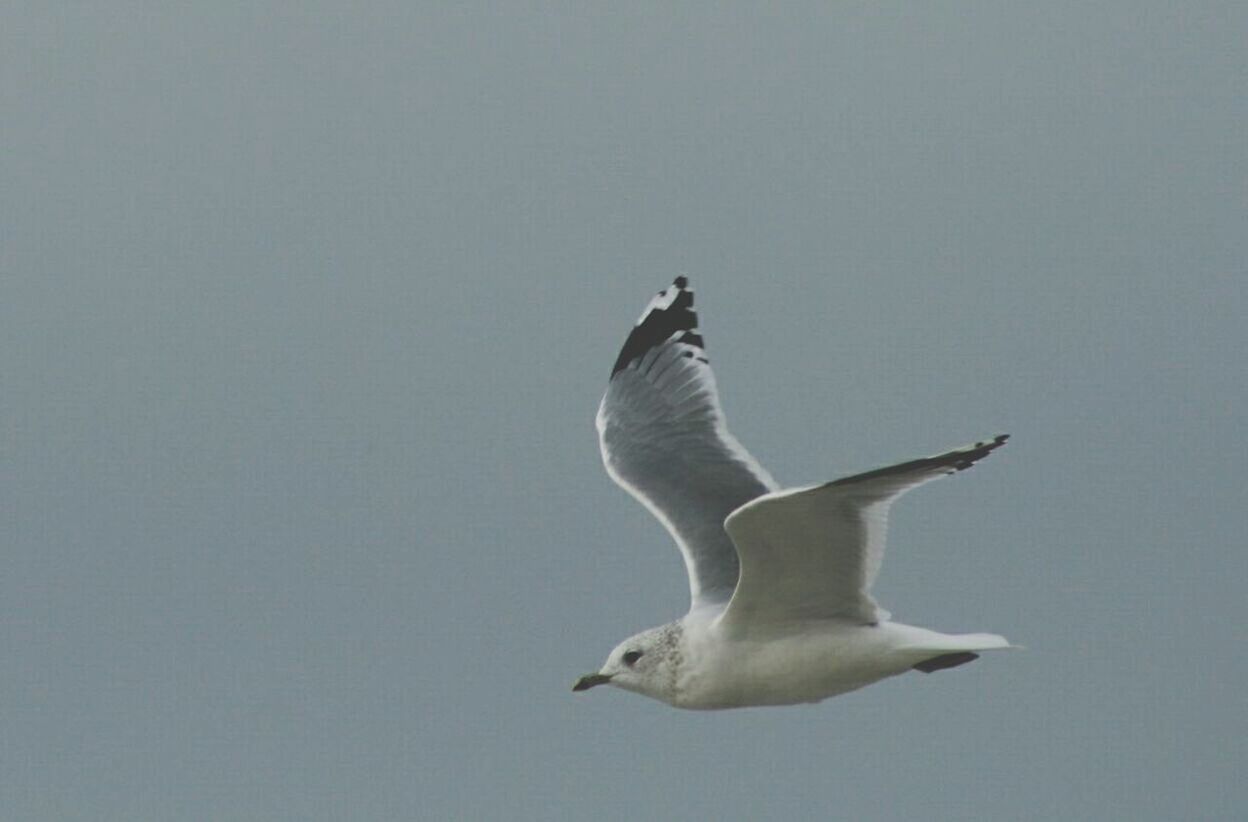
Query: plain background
x=306 y=311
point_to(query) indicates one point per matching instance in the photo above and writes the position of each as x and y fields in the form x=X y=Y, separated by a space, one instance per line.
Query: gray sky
x=305 y=313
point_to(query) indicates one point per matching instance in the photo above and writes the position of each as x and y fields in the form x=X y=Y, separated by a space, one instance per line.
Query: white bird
x=780 y=580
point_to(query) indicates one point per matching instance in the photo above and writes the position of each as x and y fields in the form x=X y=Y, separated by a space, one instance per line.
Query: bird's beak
x=590 y=680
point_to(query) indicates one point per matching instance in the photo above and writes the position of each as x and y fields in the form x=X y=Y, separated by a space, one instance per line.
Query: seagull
x=780 y=580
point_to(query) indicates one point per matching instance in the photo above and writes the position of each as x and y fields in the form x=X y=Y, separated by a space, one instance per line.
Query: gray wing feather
x=814 y=553
x=665 y=441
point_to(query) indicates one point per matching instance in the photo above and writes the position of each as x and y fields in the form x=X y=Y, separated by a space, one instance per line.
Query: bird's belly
x=806 y=668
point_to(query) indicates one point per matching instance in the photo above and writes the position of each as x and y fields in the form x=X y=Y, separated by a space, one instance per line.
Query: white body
x=810 y=663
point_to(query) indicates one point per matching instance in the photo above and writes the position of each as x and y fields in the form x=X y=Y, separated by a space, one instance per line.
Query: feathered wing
x=665 y=441
x=813 y=553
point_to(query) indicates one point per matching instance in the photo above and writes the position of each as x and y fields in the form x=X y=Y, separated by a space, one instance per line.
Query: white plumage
x=780 y=580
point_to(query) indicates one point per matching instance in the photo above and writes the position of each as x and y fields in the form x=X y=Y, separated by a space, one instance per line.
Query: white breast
x=808 y=664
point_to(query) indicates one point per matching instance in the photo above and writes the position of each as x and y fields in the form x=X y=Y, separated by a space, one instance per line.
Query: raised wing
x=813 y=553
x=665 y=441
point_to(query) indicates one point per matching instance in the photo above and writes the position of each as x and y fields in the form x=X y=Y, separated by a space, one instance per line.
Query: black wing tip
x=943 y=464
x=660 y=322
x=975 y=453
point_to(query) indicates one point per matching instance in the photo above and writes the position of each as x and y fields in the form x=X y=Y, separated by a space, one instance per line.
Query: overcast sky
x=305 y=312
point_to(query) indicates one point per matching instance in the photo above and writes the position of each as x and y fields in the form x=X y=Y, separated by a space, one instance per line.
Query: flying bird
x=780 y=580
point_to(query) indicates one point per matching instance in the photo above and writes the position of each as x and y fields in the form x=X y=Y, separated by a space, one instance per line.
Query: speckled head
x=647 y=663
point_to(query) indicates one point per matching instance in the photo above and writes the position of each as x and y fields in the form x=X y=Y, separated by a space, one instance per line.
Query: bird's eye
x=631 y=656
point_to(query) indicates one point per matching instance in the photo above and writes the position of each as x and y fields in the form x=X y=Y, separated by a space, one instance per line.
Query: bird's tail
x=941 y=651
x=974 y=642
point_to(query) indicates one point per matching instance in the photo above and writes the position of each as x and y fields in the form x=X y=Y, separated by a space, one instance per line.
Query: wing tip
x=974 y=453
x=941 y=465
x=668 y=313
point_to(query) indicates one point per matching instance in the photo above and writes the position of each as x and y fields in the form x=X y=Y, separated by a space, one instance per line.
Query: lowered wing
x=813 y=553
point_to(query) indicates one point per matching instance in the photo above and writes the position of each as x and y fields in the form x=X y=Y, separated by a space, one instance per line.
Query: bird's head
x=646 y=663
